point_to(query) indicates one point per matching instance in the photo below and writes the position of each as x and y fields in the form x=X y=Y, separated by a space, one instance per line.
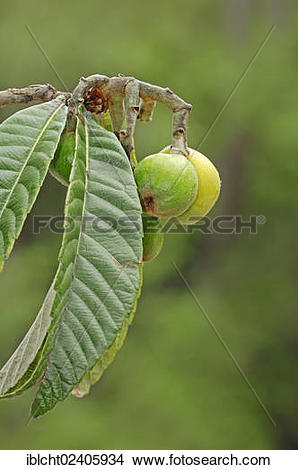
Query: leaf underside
x=17 y=374
x=99 y=273
x=28 y=140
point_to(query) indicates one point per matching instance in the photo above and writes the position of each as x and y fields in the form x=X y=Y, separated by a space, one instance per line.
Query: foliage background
x=173 y=385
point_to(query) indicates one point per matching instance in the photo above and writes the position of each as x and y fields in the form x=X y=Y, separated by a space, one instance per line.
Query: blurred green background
x=173 y=385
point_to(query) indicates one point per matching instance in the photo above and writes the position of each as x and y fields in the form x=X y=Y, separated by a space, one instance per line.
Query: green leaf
x=91 y=377
x=28 y=140
x=104 y=120
x=99 y=275
x=18 y=372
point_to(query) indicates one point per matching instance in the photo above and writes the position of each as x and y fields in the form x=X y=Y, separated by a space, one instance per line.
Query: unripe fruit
x=208 y=188
x=153 y=239
x=167 y=184
x=62 y=163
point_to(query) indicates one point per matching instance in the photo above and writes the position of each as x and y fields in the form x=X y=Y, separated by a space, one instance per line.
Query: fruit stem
x=116 y=107
x=146 y=110
x=132 y=108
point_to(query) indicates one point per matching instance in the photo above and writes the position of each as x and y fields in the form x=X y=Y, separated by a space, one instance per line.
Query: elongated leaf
x=91 y=377
x=99 y=276
x=28 y=140
x=17 y=373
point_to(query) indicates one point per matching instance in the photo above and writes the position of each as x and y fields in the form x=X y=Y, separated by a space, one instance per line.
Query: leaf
x=104 y=120
x=90 y=378
x=99 y=274
x=17 y=373
x=28 y=140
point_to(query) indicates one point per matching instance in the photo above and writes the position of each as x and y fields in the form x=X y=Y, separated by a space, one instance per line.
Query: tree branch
x=28 y=94
x=127 y=95
x=119 y=88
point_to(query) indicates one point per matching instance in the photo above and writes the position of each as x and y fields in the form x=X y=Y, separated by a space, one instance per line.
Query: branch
x=132 y=108
x=116 y=89
x=139 y=98
x=28 y=94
